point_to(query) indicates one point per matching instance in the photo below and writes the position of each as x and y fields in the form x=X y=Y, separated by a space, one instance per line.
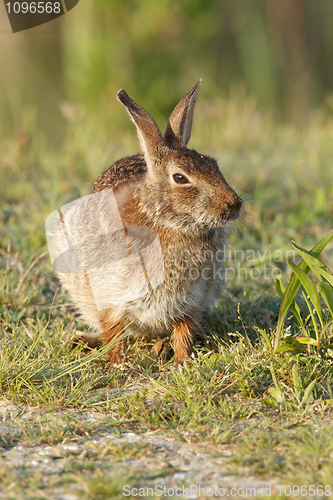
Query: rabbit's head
x=183 y=189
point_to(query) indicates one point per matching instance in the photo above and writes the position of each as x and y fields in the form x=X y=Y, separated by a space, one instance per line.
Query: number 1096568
x=33 y=7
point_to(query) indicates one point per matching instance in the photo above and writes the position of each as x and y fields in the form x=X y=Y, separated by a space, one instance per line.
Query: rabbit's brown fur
x=190 y=220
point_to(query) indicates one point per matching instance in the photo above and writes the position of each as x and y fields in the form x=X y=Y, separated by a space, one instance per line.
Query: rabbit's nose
x=234 y=206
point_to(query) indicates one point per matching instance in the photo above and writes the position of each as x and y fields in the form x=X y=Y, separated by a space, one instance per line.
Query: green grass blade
x=294 y=284
x=308 y=392
x=266 y=337
x=328 y=276
x=310 y=289
x=314 y=264
x=274 y=376
x=279 y=287
x=293 y=306
x=326 y=292
x=314 y=322
x=307 y=340
x=296 y=381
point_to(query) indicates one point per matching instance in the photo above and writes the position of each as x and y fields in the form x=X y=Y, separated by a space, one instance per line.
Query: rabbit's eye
x=180 y=179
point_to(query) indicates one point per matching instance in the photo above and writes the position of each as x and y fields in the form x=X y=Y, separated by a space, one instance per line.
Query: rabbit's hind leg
x=183 y=339
x=113 y=333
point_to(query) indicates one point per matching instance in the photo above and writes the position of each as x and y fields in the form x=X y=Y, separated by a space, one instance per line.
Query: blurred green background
x=278 y=51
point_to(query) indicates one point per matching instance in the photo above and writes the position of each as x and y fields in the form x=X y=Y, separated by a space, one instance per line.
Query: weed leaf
x=310 y=289
x=294 y=284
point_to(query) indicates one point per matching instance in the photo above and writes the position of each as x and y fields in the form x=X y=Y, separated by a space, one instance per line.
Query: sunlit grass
x=268 y=407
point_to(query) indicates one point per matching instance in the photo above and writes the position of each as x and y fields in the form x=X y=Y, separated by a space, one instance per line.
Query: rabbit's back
x=127 y=170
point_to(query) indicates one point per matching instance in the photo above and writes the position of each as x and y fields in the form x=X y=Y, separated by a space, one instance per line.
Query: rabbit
x=170 y=200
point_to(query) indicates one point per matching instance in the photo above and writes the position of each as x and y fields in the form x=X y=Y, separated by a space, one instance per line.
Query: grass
x=237 y=394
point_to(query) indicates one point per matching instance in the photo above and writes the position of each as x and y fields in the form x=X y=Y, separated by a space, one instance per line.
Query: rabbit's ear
x=178 y=131
x=150 y=137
